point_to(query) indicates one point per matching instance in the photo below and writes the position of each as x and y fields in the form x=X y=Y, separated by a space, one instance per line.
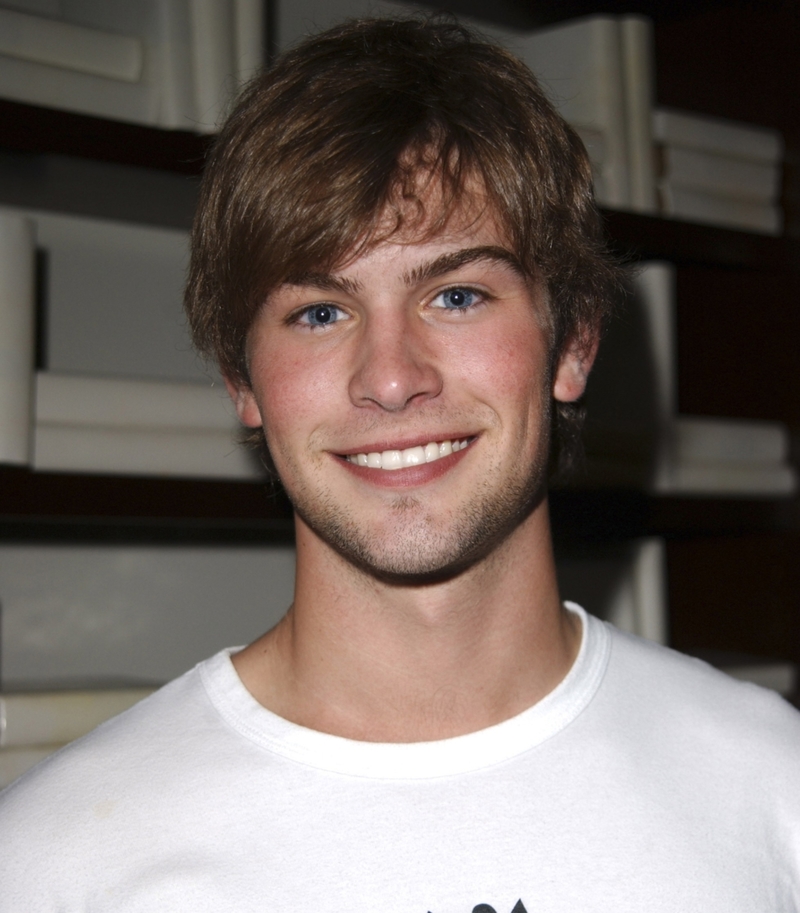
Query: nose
x=394 y=366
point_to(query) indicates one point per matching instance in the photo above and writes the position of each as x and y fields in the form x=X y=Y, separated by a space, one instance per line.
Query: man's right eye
x=321 y=315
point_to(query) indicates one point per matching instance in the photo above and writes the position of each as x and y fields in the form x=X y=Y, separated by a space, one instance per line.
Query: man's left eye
x=456 y=299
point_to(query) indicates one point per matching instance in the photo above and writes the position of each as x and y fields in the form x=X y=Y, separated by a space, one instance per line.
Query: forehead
x=426 y=217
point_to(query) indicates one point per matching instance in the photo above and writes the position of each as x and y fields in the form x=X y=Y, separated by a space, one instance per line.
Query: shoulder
x=691 y=702
x=162 y=781
x=726 y=752
x=81 y=783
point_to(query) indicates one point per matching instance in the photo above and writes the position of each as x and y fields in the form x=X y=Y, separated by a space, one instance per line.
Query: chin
x=412 y=548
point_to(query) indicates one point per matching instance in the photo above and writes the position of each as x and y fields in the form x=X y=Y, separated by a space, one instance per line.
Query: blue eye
x=457 y=299
x=321 y=315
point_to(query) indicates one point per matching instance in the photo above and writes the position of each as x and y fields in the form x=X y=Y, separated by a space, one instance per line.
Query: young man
x=397 y=265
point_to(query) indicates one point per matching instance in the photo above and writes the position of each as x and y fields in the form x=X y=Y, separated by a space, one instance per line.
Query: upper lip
x=405 y=443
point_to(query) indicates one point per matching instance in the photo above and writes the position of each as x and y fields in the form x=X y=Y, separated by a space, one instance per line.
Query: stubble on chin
x=407 y=545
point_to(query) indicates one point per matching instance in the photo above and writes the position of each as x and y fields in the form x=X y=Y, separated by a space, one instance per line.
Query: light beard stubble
x=419 y=552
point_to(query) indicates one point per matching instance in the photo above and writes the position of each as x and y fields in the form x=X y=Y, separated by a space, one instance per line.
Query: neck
x=373 y=661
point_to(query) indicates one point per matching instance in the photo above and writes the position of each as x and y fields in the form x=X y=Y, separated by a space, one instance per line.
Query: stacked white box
x=165 y=63
x=719 y=172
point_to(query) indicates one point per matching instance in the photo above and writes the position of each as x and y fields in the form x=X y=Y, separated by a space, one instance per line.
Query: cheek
x=508 y=363
x=292 y=388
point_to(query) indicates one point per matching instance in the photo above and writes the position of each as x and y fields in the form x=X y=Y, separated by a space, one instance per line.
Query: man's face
x=431 y=355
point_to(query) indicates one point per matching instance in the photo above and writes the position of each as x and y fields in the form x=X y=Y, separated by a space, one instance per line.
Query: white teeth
x=391 y=459
x=413 y=456
x=431 y=452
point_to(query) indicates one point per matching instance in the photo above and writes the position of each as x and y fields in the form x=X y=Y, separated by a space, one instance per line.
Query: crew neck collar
x=413 y=760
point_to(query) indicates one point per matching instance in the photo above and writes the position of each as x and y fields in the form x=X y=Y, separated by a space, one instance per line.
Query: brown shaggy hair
x=321 y=144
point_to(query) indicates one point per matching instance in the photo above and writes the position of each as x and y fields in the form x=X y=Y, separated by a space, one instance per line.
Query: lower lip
x=409 y=477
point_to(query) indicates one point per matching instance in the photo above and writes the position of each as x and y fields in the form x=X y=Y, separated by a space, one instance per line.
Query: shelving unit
x=733 y=568
x=38 y=131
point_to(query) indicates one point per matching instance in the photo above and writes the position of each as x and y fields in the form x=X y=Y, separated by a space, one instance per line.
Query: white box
x=166 y=63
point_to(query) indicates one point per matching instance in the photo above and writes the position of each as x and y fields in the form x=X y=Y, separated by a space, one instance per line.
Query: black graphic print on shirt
x=519 y=907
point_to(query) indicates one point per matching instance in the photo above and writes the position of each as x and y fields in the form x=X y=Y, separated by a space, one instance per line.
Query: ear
x=572 y=371
x=245 y=402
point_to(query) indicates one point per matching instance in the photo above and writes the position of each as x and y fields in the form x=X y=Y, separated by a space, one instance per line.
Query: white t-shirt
x=646 y=781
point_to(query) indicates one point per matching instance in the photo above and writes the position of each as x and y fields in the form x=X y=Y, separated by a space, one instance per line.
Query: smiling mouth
x=411 y=456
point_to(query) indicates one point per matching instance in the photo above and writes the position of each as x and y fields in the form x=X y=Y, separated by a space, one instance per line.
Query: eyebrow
x=440 y=266
x=448 y=263
x=327 y=282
